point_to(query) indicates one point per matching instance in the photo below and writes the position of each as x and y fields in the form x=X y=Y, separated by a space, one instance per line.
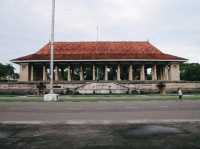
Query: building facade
x=100 y=61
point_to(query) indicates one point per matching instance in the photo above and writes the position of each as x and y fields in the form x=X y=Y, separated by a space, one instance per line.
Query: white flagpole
x=52 y=96
x=52 y=47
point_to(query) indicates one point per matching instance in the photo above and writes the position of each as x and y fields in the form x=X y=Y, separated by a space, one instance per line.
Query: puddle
x=153 y=130
x=4 y=135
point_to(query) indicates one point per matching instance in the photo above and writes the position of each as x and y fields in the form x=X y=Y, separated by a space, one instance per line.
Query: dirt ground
x=137 y=136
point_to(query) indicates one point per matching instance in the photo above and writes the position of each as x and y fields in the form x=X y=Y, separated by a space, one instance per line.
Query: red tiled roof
x=100 y=51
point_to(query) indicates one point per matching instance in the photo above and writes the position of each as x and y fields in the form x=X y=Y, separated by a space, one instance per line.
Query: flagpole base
x=51 y=97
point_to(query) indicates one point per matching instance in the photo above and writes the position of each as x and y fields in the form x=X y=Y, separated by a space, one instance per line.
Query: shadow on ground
x=138 y=136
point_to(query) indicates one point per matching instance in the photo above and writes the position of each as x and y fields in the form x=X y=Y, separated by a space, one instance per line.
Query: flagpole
x=52 y=96
x=52 y=47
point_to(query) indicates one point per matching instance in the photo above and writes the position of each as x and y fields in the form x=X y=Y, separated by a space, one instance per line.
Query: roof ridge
x=121 y=41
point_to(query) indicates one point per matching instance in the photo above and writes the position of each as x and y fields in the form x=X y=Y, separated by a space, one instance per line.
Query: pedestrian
x=180 y=94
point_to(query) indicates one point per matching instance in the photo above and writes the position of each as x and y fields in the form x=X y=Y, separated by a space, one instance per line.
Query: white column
x=118 y=73
x=162 y=73
x=93 y=72
x=44 y=73
x=174 y=72
x=24 y=72
x=81 y=73
x=21 y=73
x=142 y=73
x=69 y=73
x=154 y=73
x=32 y=73
x=130 y=74
x=166 y=73
x=106 y=73
x=170 y=72
x=56 y=73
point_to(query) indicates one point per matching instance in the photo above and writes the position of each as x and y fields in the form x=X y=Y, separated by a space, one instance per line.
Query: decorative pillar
x=69 y=74
x=130 y=74
x=170 y=72
x=93 y=72
x=142 y=73
x=81 y=73
x=166 y=73
x=154 y=73
x=56 y=73
x=118 y=73
x=72 y=72
x=106 y=73
x=32 y=73
x=174 y=72
x=44 y=73
x=24 y=74
x=162 y=73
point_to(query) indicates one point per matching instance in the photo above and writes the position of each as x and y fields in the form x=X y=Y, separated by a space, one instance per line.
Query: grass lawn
x=94 y=98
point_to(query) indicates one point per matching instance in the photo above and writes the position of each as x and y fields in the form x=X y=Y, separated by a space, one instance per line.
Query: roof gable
x=101 y=47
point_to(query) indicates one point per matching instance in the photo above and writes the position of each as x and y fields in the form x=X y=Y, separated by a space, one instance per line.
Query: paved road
x=100 y=112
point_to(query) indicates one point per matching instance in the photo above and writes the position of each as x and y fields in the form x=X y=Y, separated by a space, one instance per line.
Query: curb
x=99 y=122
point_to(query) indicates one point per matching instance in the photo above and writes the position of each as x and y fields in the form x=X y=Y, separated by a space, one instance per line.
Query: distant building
x=96 y=61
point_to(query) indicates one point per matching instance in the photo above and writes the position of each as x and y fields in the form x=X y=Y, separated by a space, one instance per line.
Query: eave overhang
x=101 y=60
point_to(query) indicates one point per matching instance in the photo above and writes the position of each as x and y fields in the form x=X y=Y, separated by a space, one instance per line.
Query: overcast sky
x=171 y=25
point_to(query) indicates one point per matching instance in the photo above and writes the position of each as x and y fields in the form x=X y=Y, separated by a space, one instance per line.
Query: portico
x=106 y=71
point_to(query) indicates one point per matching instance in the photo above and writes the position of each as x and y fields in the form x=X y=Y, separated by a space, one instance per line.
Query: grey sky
x=171 y=25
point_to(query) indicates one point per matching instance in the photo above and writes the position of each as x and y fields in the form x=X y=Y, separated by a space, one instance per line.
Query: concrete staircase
x=102 y=88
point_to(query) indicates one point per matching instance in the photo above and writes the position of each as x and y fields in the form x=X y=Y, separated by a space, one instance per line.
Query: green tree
x=190 y=72
x=7 y=72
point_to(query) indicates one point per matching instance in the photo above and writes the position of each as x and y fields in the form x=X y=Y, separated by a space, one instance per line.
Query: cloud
x=111 y=15
x=171 y=25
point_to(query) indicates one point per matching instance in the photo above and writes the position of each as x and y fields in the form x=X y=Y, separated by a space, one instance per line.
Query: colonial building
x=100 y=61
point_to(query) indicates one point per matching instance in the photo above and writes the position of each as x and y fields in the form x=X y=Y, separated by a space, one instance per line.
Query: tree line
x=190 y=71
x=7 y=72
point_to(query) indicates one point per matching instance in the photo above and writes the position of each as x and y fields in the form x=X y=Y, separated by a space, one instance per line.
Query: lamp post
x=52 y=96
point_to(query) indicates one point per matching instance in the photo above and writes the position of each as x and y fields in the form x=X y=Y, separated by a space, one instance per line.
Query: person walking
x=180 y=94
